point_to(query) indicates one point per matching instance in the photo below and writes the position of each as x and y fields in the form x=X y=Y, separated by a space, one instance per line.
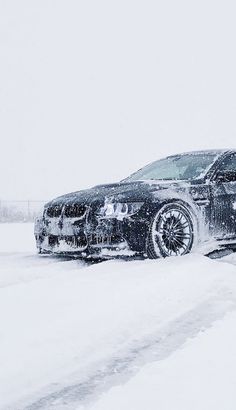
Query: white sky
x=92 y=90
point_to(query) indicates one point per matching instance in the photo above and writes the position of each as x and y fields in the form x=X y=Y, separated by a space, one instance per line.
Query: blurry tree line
x=19 y=211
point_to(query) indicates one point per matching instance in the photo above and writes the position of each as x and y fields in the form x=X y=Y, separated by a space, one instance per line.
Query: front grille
x=54 y=211
x=75 y=210
x=76 y=241
x=53 y=240
x=107 y=240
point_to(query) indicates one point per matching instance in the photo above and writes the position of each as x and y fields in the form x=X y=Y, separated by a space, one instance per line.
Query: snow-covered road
x=117 y=335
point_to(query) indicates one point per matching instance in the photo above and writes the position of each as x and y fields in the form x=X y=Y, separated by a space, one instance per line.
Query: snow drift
x=71 y=332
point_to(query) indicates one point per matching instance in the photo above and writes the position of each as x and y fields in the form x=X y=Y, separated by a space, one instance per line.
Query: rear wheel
x=171 y=232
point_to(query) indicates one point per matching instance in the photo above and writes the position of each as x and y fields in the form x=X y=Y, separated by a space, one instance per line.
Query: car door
x=223 y=191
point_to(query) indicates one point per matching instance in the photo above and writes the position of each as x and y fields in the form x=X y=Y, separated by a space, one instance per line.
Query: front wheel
x=171 y=232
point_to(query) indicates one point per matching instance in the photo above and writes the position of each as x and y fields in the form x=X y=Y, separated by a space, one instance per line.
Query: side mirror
x=226 y=176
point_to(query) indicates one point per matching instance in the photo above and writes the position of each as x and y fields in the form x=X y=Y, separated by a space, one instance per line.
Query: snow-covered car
x=164 y=209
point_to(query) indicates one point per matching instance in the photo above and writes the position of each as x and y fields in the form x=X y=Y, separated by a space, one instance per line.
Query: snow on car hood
x=128 y=191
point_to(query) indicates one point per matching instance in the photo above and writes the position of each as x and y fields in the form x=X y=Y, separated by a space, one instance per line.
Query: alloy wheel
x=172 y=232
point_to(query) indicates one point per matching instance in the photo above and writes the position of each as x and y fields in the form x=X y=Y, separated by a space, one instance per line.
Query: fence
x=19 y=211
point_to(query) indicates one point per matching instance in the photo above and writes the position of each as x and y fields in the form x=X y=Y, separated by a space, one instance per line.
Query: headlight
x=120 y=210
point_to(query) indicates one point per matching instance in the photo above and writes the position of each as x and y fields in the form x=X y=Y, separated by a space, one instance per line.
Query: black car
x=166 y=208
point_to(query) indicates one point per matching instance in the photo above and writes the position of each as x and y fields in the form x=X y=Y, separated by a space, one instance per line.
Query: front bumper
x=90 y=236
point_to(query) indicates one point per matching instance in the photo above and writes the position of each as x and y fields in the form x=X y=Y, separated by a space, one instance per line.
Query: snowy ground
x=117 y=335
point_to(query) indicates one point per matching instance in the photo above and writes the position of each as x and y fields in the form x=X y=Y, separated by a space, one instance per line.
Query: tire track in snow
x=124 y=365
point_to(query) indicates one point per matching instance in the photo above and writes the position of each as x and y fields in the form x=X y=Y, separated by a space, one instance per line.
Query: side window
x=227 y=170
x=229 y=164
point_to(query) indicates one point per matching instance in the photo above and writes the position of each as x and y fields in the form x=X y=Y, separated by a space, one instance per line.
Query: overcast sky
x=92 y=90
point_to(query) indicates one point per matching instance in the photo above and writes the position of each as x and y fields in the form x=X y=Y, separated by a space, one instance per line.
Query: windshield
x=178 y=167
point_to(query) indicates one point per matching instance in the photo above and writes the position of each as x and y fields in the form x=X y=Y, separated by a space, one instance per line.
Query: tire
x=171 y=232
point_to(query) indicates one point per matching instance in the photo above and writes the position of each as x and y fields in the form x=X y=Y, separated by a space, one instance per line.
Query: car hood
x=122 y=191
